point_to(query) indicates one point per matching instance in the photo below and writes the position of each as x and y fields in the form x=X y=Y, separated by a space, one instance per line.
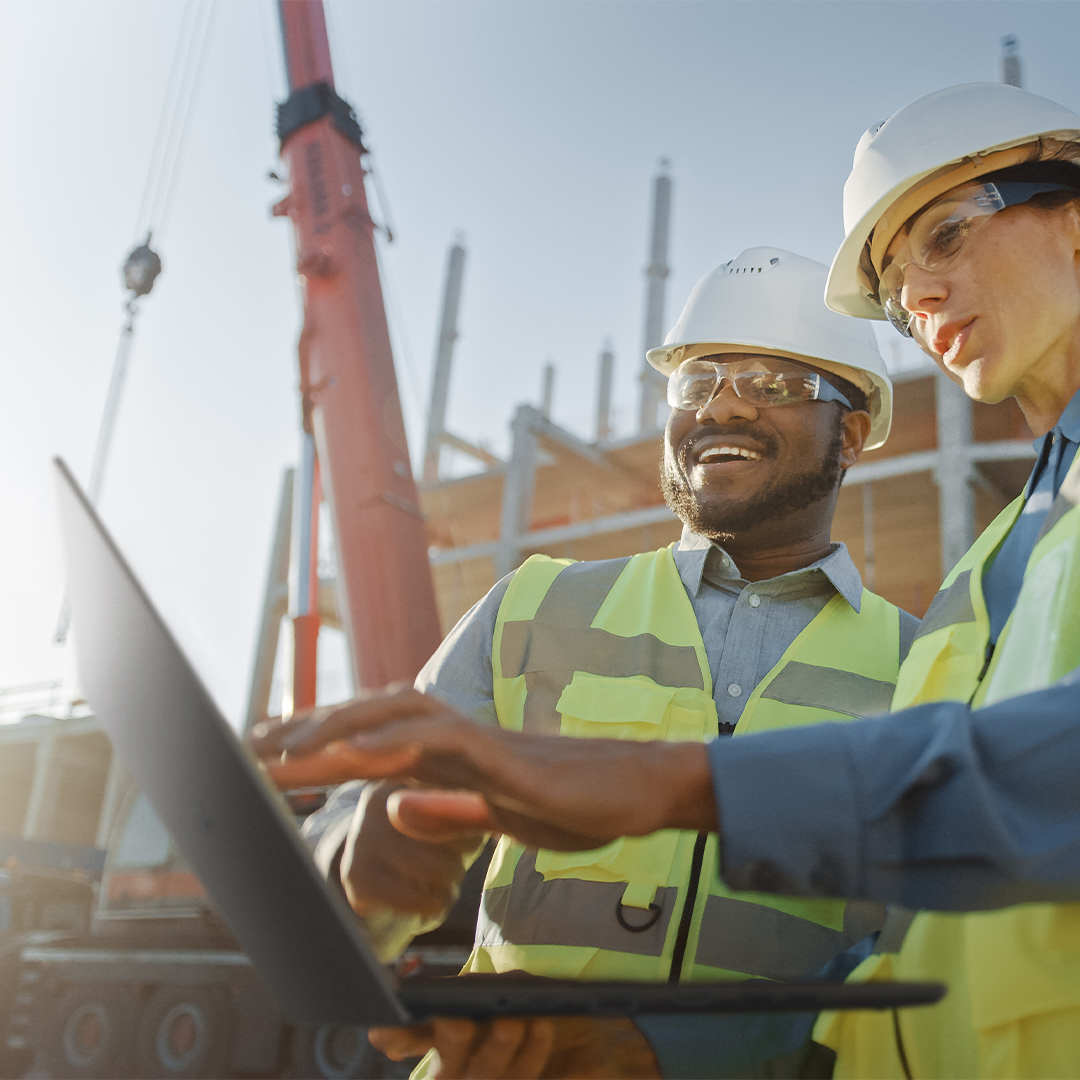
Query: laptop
x=238 y=835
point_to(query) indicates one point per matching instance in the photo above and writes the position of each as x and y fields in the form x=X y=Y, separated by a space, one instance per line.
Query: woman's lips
x=949 y=355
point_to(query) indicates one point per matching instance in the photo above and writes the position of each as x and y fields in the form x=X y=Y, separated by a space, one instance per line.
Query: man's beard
x=724 y=521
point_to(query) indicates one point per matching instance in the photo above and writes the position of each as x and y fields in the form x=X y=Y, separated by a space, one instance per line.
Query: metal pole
x=1010 y=61
x=303 y=579
x=652 y=383
x=547 y=393
x=956 y=498
x=603 y=396
x=517 y=491
x=275 y=607
x=104 y=441
x=444 y=356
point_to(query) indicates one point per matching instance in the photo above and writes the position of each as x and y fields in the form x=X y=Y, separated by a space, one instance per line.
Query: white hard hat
x=920 y=152
x=768 y=300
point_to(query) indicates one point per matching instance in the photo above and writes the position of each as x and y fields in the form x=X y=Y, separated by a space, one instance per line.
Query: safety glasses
x=940 y=231
x=761 y=381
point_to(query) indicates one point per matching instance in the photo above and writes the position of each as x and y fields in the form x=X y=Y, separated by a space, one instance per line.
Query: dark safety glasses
x=761 y=381
x=940 y=231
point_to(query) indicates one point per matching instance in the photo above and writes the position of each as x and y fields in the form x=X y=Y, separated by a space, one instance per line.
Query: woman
x=963 y=230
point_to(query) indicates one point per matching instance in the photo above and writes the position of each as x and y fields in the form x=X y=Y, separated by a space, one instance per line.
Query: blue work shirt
x=1003 y=577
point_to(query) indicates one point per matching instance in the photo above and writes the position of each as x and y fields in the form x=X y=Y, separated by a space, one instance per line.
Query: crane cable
x=143 y=264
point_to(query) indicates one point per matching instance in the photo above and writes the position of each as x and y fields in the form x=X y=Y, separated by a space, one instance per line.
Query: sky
x=532 y=129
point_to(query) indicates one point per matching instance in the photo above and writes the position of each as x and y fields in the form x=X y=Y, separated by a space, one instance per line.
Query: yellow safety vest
x=1013 y=1007
x=612 y=649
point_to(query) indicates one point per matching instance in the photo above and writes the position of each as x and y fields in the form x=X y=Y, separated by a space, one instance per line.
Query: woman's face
x=1003 y=317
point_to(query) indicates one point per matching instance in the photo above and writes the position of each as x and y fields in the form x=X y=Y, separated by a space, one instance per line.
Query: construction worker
x=754 y=620
x=968 y=241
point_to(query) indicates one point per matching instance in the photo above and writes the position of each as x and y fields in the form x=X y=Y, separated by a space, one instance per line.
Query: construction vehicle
x=113 y=960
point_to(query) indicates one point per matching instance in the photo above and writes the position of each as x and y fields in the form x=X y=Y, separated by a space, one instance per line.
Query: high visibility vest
x=612 y=649
x=1013 y=1007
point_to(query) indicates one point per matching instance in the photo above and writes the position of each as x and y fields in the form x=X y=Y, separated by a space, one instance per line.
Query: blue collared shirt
x=1003 y=577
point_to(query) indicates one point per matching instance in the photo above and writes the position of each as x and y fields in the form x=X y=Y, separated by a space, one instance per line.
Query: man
x=963 y=222
x=755 y=620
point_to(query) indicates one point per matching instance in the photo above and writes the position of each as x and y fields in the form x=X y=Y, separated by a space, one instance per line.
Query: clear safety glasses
x=761 y=381
x=939 y=232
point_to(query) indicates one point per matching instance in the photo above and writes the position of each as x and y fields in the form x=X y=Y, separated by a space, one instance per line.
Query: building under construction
x=907 y=512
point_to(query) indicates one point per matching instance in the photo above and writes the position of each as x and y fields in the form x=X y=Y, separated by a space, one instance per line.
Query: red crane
x=347 y=382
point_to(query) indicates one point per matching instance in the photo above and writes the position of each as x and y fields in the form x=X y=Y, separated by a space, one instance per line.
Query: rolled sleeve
x=935 y=807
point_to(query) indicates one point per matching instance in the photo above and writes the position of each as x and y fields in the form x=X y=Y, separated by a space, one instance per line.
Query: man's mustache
x=765 y=440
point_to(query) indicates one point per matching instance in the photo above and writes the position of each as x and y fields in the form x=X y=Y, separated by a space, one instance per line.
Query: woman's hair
x=1049 y=161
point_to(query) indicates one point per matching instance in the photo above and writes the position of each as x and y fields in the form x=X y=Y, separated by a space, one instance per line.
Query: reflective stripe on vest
x=948 y=655
x=1003 y=967
x=613 y=649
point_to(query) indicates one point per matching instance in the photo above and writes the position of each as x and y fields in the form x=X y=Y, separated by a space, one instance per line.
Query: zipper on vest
x=987 y=657
x=687 y=918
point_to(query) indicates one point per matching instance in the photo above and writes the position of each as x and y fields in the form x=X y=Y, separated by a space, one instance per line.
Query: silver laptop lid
x=233 y=829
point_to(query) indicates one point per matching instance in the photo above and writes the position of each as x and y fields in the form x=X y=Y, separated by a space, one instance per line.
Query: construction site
x=115 y=961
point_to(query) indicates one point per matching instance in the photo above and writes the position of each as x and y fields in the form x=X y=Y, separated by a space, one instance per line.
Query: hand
x=545 y=791
x=572 y=1047
x=382 y=868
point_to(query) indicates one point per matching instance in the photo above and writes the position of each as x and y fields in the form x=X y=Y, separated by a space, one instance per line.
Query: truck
x=114 y=961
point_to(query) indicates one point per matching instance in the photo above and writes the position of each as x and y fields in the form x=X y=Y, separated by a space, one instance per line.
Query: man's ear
x=856 y=424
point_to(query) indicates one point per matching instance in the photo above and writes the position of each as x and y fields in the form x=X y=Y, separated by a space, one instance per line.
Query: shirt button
x=734 y=689
x=755 y=600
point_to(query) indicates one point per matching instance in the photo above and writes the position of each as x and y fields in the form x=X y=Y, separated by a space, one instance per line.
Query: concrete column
x=517 y=491
x=652 y=383
x=547 y=393
x=956 y=497
x=603 y=396
x=1010 y=62
x=444 y=357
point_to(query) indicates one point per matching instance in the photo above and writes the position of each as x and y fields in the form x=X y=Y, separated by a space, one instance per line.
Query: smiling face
x=754 y=477
x=1003 y=318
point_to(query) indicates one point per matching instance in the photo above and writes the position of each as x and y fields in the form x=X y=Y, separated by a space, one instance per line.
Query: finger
x=438 y=816
x=360 y=715
x=453 y=1039
x=338 y=762
x=402 y=1042
x=492 y=1055
x=267 y=736
x=534 y=1052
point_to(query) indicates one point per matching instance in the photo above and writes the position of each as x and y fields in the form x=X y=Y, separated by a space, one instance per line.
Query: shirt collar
x=1069 y=424
x=693 y=551
x=1067 y=427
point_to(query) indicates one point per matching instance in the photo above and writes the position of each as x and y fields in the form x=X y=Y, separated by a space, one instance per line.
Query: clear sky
x=534 y=128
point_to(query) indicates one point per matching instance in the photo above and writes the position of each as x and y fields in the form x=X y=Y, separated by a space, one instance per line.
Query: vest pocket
x=593 y=706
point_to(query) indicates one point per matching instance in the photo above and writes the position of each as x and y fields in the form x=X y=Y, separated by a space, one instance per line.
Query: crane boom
x=347 y=380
